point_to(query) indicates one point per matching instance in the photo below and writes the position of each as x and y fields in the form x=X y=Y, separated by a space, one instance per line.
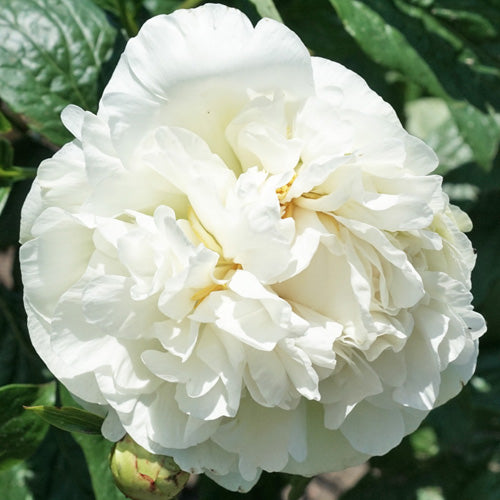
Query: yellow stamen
x=283 y=190
x=223 y=267
x=311 y=195
x=288 y=210
x=205 y=237
x=202 y=294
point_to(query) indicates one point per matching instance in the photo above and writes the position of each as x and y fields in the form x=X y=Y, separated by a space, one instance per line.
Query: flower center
x=223 y=267
x=202 y=294
x=282 y=192
x=220 y=274
x=204 y=236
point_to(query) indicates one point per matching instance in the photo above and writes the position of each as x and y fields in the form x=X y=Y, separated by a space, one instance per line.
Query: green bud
x=140 y=475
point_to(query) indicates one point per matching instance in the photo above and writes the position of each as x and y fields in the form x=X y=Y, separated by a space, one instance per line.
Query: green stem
x=189 y=4
x=15 y=174
x=127 y=19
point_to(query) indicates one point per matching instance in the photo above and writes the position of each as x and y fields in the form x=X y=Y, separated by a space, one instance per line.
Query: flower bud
x=141 y=475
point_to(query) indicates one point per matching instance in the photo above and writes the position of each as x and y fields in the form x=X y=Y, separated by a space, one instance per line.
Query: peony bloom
x=242 y=258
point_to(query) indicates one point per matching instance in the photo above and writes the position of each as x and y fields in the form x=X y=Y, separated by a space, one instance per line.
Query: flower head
x=242 y=257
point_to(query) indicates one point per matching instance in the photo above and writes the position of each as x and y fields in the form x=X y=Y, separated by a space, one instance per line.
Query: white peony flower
x=243 y=259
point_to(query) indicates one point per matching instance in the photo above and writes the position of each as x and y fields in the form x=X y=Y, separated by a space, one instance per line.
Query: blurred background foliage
x=435 y=61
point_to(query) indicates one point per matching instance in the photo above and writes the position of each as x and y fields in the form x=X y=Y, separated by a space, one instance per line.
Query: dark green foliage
x=51 y=52
x=21 y=432
x=428 y=50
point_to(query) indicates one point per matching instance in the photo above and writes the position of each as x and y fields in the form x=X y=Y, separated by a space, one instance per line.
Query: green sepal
x=69 y=418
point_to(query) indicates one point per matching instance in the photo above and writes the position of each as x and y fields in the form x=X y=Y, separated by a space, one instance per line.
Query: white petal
x=106 y=303
x=234 y=481
x=353 y=382
x=373 y=430
x=80 y=384
x=457 y=374
x=72 y=117
x=112 y=428
x=331 y=77
x=259 y=449
x=321 y=443
x=266 y=378
x=420 y=158
x=149 y=430
x=81 y=344
x=205 y=457
x=199 y=85
x=41 y=265
x=259 y=136
x=323 y=131
x=62 y=179
x=421 y=386
x=178 y=337
x=258 y=323
x=32 y=208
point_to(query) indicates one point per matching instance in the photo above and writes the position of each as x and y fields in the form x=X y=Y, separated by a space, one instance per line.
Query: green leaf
x=4 y=195
x=324 y=35
x=124 y=10
x=480 y=131
x=476 y=20
x=69 y=418
x=484 y=487
x=109 y=5
x=424 y=443
x=430 y=493
x=430 y=119
x=384 y=43
x=97 y=451
x=266 y=8
x=51 y=55
x=6 y=154
x=157 y=7
x=5 y=125
x=8 y=173
x=14 y=483
x=443 y=62
x=21 y=432
x=57 y=470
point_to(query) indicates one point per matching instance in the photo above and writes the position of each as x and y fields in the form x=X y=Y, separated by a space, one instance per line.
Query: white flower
x=243 y=259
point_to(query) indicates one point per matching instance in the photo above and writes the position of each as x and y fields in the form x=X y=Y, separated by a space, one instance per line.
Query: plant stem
x=15 y=174
x=127 y=19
